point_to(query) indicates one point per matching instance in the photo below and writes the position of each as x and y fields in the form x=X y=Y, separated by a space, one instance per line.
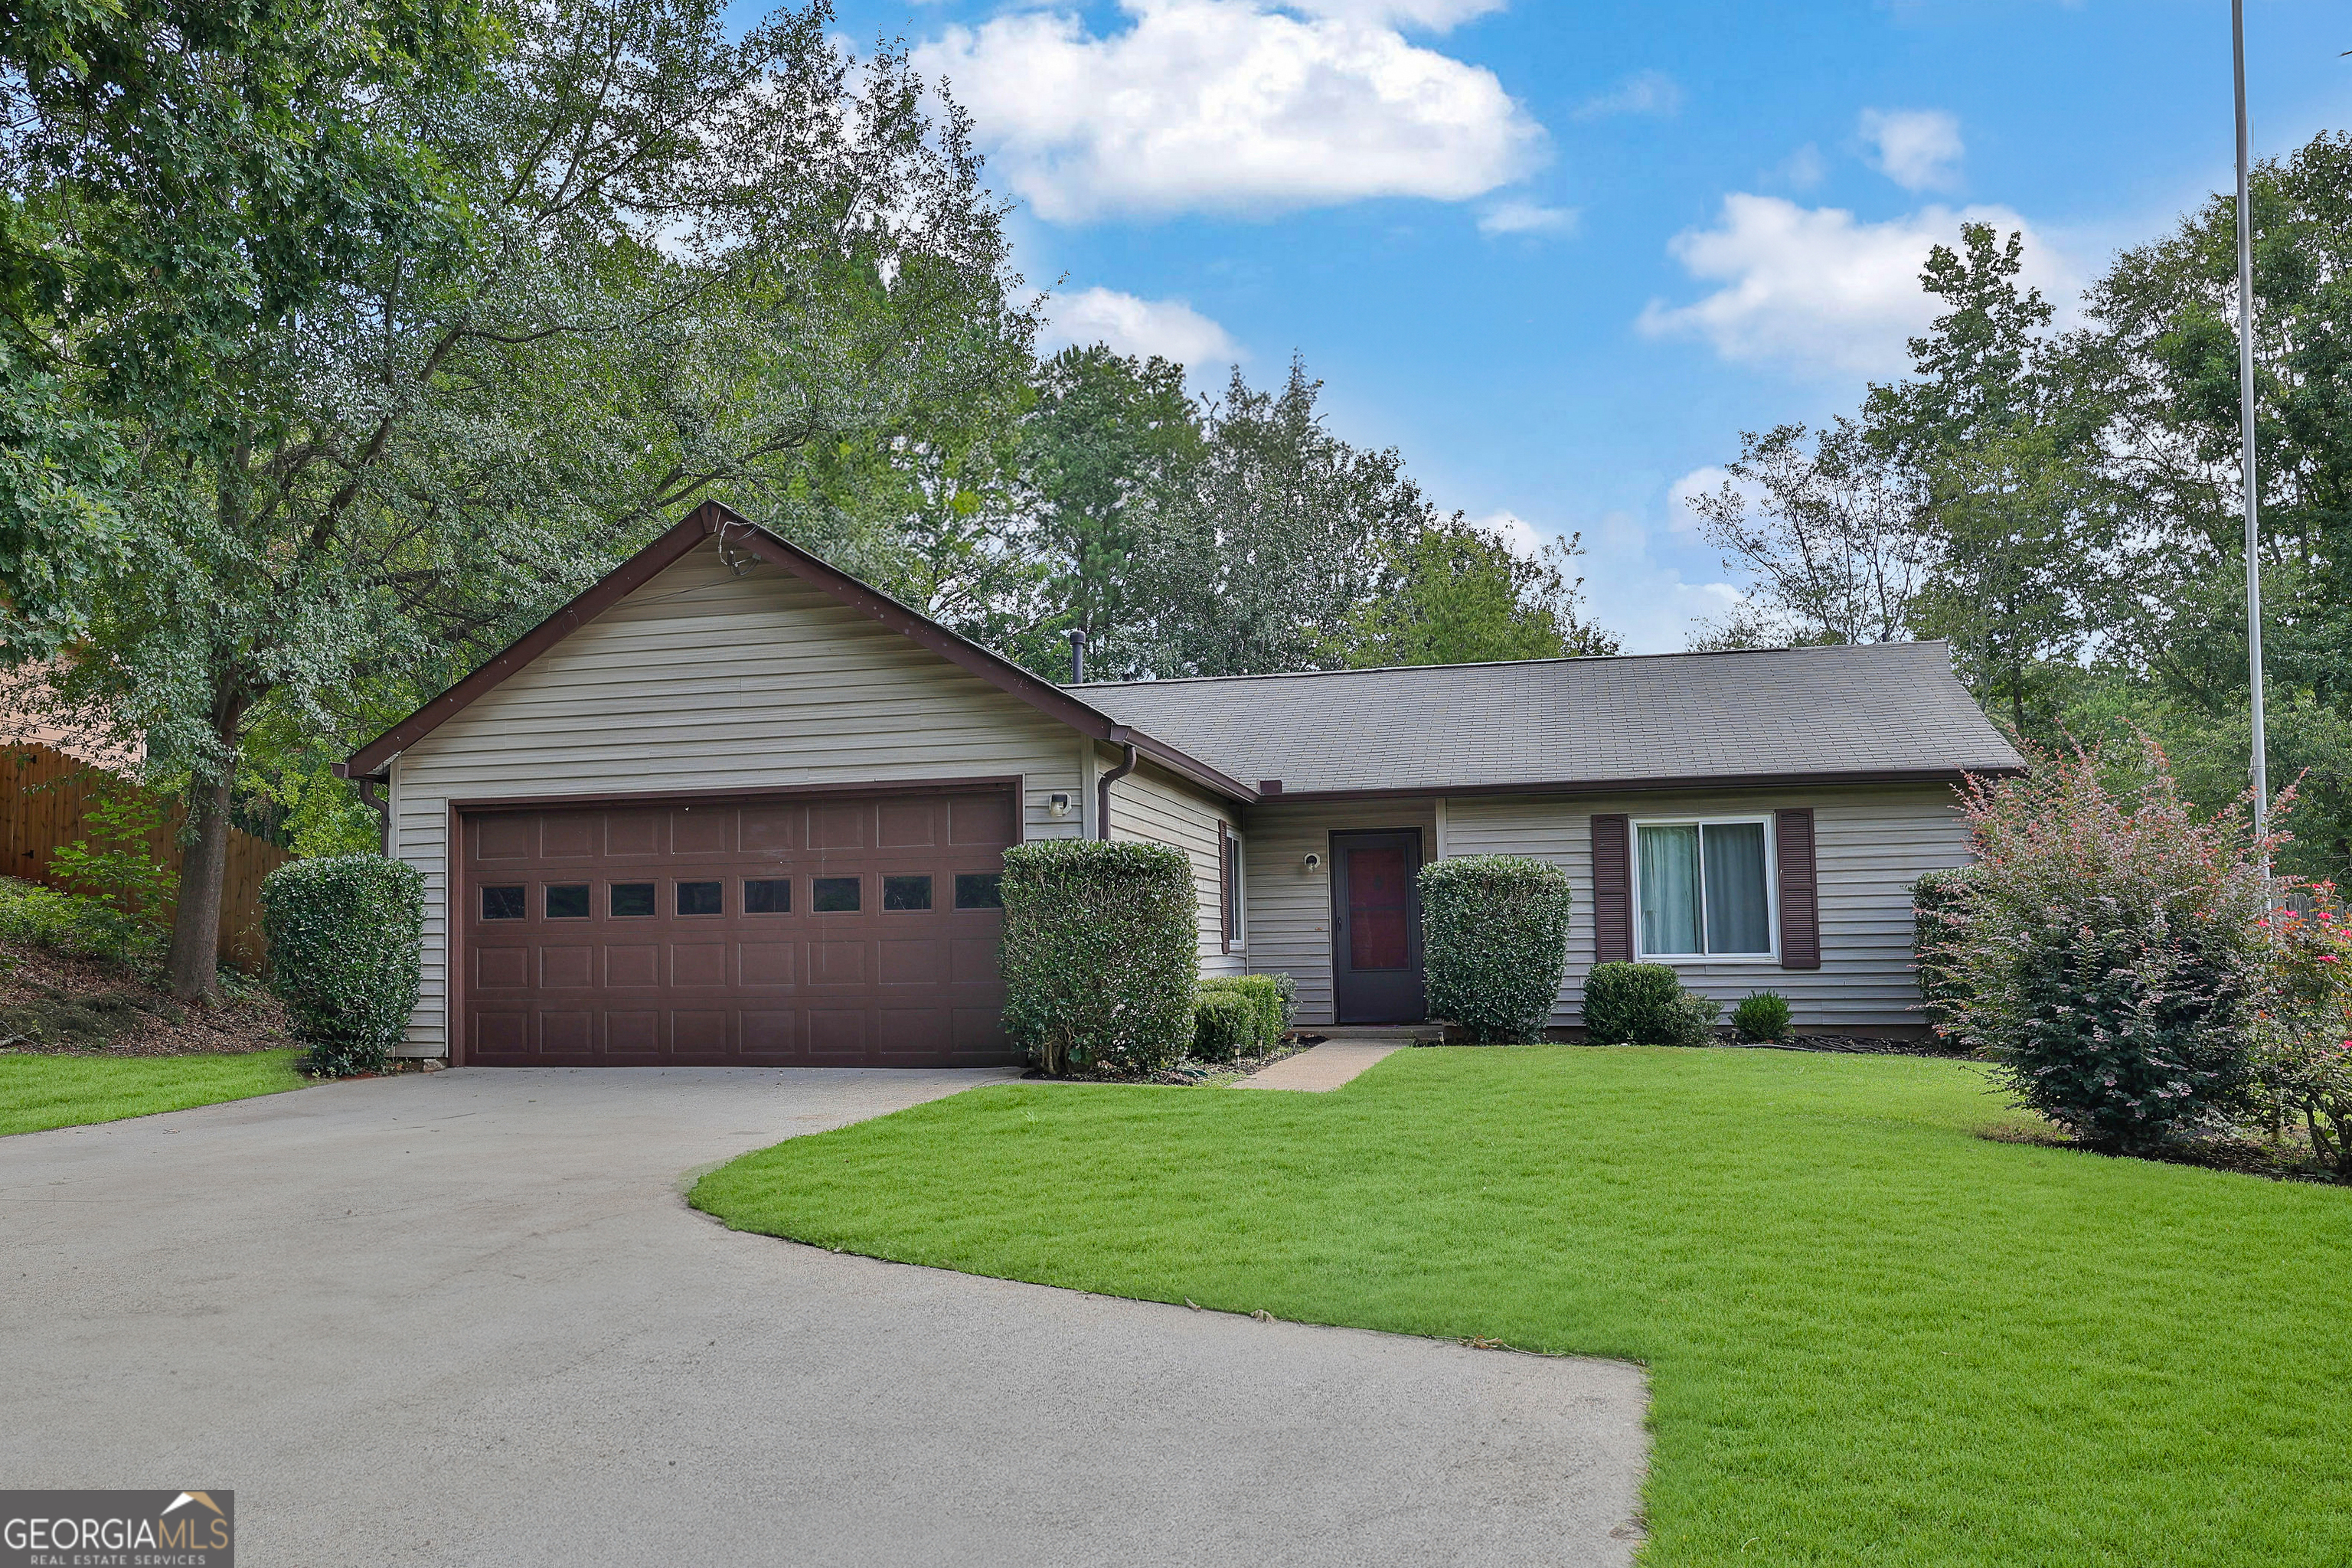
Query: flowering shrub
x=2303 y=1033
x=2109 y=952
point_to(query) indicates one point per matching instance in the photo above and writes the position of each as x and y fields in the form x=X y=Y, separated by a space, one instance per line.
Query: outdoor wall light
x=1058 y=805
x=1314 y=861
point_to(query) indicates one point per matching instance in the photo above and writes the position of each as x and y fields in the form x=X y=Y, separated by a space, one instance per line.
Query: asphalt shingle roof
x=1871 y=709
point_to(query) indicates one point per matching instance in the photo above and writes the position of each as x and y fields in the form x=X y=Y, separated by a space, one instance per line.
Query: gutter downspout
x=1102 y=795
x=384 y=811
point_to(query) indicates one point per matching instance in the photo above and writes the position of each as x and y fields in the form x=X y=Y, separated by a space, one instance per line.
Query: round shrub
x=1691 y=1020
x=1762 y=1017
x=1272 y=1000
x=1101 y=955
x=1495 y=943
x=344 y=935
x=1631 y=1003
x=1225 y=1025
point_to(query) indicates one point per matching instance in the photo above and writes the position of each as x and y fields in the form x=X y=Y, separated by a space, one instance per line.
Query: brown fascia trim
x=1682 y=783
x=710 y=519
x=722 y=797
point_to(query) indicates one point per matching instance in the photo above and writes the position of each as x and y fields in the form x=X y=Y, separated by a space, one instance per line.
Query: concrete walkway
x=1345 y=1055
x=467 y=1318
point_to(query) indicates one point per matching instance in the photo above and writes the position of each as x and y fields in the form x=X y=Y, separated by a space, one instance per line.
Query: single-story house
x=733 y=805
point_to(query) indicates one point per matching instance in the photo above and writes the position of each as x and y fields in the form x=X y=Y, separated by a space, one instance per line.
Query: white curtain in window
x=1738 y=914
x=1670 y=901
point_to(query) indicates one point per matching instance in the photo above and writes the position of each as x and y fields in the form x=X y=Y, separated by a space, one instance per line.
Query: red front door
x=1376 y=975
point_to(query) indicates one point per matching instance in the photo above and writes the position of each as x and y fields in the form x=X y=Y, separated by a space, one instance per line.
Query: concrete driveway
x=466 y=1318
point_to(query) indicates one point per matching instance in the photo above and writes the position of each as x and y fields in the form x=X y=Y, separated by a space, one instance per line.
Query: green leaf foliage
x=1101 y=959
x=1935 y=904
x=1454 y=593
x=1631 y=1003
x=344 y=936
x=1272 y=1000
x=1495 y=943
x=1762 y=1016
x=1225 y=1025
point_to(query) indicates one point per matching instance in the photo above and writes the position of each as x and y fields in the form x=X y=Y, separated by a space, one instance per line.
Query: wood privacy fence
x=45 y=801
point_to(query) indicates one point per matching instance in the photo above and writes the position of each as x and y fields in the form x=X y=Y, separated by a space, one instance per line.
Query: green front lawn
x=38 y=1092
x=1872 y=1336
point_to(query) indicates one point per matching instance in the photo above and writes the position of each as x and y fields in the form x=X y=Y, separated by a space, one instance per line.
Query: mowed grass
x=38 y=1092
x=1872 y=1336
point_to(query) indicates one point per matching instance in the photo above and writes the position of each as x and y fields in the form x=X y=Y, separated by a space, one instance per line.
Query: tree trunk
x=191 y=967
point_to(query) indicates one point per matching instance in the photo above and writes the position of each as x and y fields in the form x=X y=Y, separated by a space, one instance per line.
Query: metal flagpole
x=2262 y=772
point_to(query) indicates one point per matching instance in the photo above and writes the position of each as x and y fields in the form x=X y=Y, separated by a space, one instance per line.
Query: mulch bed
x=1849 y=1045
x=56 y=1004
x=1188 y=1072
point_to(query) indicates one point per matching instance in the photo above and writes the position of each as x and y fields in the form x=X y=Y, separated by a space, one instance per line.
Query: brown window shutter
x=1613 y=887
x=1801 y=907
x=1224 y=888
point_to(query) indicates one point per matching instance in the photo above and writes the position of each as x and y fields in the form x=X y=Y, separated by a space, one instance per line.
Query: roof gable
x=711 y=521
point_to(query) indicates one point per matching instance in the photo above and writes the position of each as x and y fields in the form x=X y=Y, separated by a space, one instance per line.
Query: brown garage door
x=809 y=931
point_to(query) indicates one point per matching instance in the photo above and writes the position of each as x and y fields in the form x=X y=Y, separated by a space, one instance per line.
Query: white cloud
x=1517 y=531
x=1226 y=105
x=1802 y=169
x=1813 y=290
x=1918 y=149
x=1437 y=16
x=1526 y=217
x=1169 y=328
x=1698 y=482
x=1643 y=92
x=1628 y=589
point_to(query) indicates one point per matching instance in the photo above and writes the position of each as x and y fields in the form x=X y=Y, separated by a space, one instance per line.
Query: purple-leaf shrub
x=2109 y=952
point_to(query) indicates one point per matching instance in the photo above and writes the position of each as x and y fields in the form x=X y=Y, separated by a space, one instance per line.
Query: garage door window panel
x=504 y=902
x=837 y=895
x=701 y=898
x=767 y=896
x=633 y=901
x=980 y=889
x=906 y=892
x=567 y=900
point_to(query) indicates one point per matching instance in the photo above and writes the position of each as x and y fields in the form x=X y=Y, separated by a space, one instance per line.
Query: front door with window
x=1376 y=926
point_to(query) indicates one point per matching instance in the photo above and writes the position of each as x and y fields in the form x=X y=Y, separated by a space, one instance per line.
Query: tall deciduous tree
x=1261 y=549
x=1453 y=593
x=655 y=261
x=1826 y=528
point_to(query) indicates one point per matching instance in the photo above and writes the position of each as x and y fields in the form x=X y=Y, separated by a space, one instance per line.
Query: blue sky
x=1561 y=255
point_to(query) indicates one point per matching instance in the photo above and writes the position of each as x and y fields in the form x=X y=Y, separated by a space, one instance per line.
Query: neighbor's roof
x=1867 y=711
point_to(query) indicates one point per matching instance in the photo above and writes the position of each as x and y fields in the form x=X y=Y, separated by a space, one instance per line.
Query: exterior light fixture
x=1314 y=861
x=1058 y=805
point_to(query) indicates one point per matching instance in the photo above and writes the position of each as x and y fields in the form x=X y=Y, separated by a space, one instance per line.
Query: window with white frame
x=1704 y=888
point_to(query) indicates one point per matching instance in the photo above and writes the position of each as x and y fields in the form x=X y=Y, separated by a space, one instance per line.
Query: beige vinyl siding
x=1872 y=844
x=1289 y=913
x=704 y=681
x=1149 y=804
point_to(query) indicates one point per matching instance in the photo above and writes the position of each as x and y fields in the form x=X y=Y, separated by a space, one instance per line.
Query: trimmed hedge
x=1101 y=957
x=345 y=936
x=1935 y=908
x=1225 y=1025
x=1495 y=943
x=1273 y=1002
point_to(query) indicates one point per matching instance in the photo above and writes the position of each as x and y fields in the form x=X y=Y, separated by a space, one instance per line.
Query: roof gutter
x=1102 y=793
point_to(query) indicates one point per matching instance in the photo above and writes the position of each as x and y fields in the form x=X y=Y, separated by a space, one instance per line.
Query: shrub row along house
x=732 y=805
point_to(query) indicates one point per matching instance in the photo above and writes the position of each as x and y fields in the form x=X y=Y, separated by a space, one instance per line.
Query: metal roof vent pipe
x=1077 y=656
